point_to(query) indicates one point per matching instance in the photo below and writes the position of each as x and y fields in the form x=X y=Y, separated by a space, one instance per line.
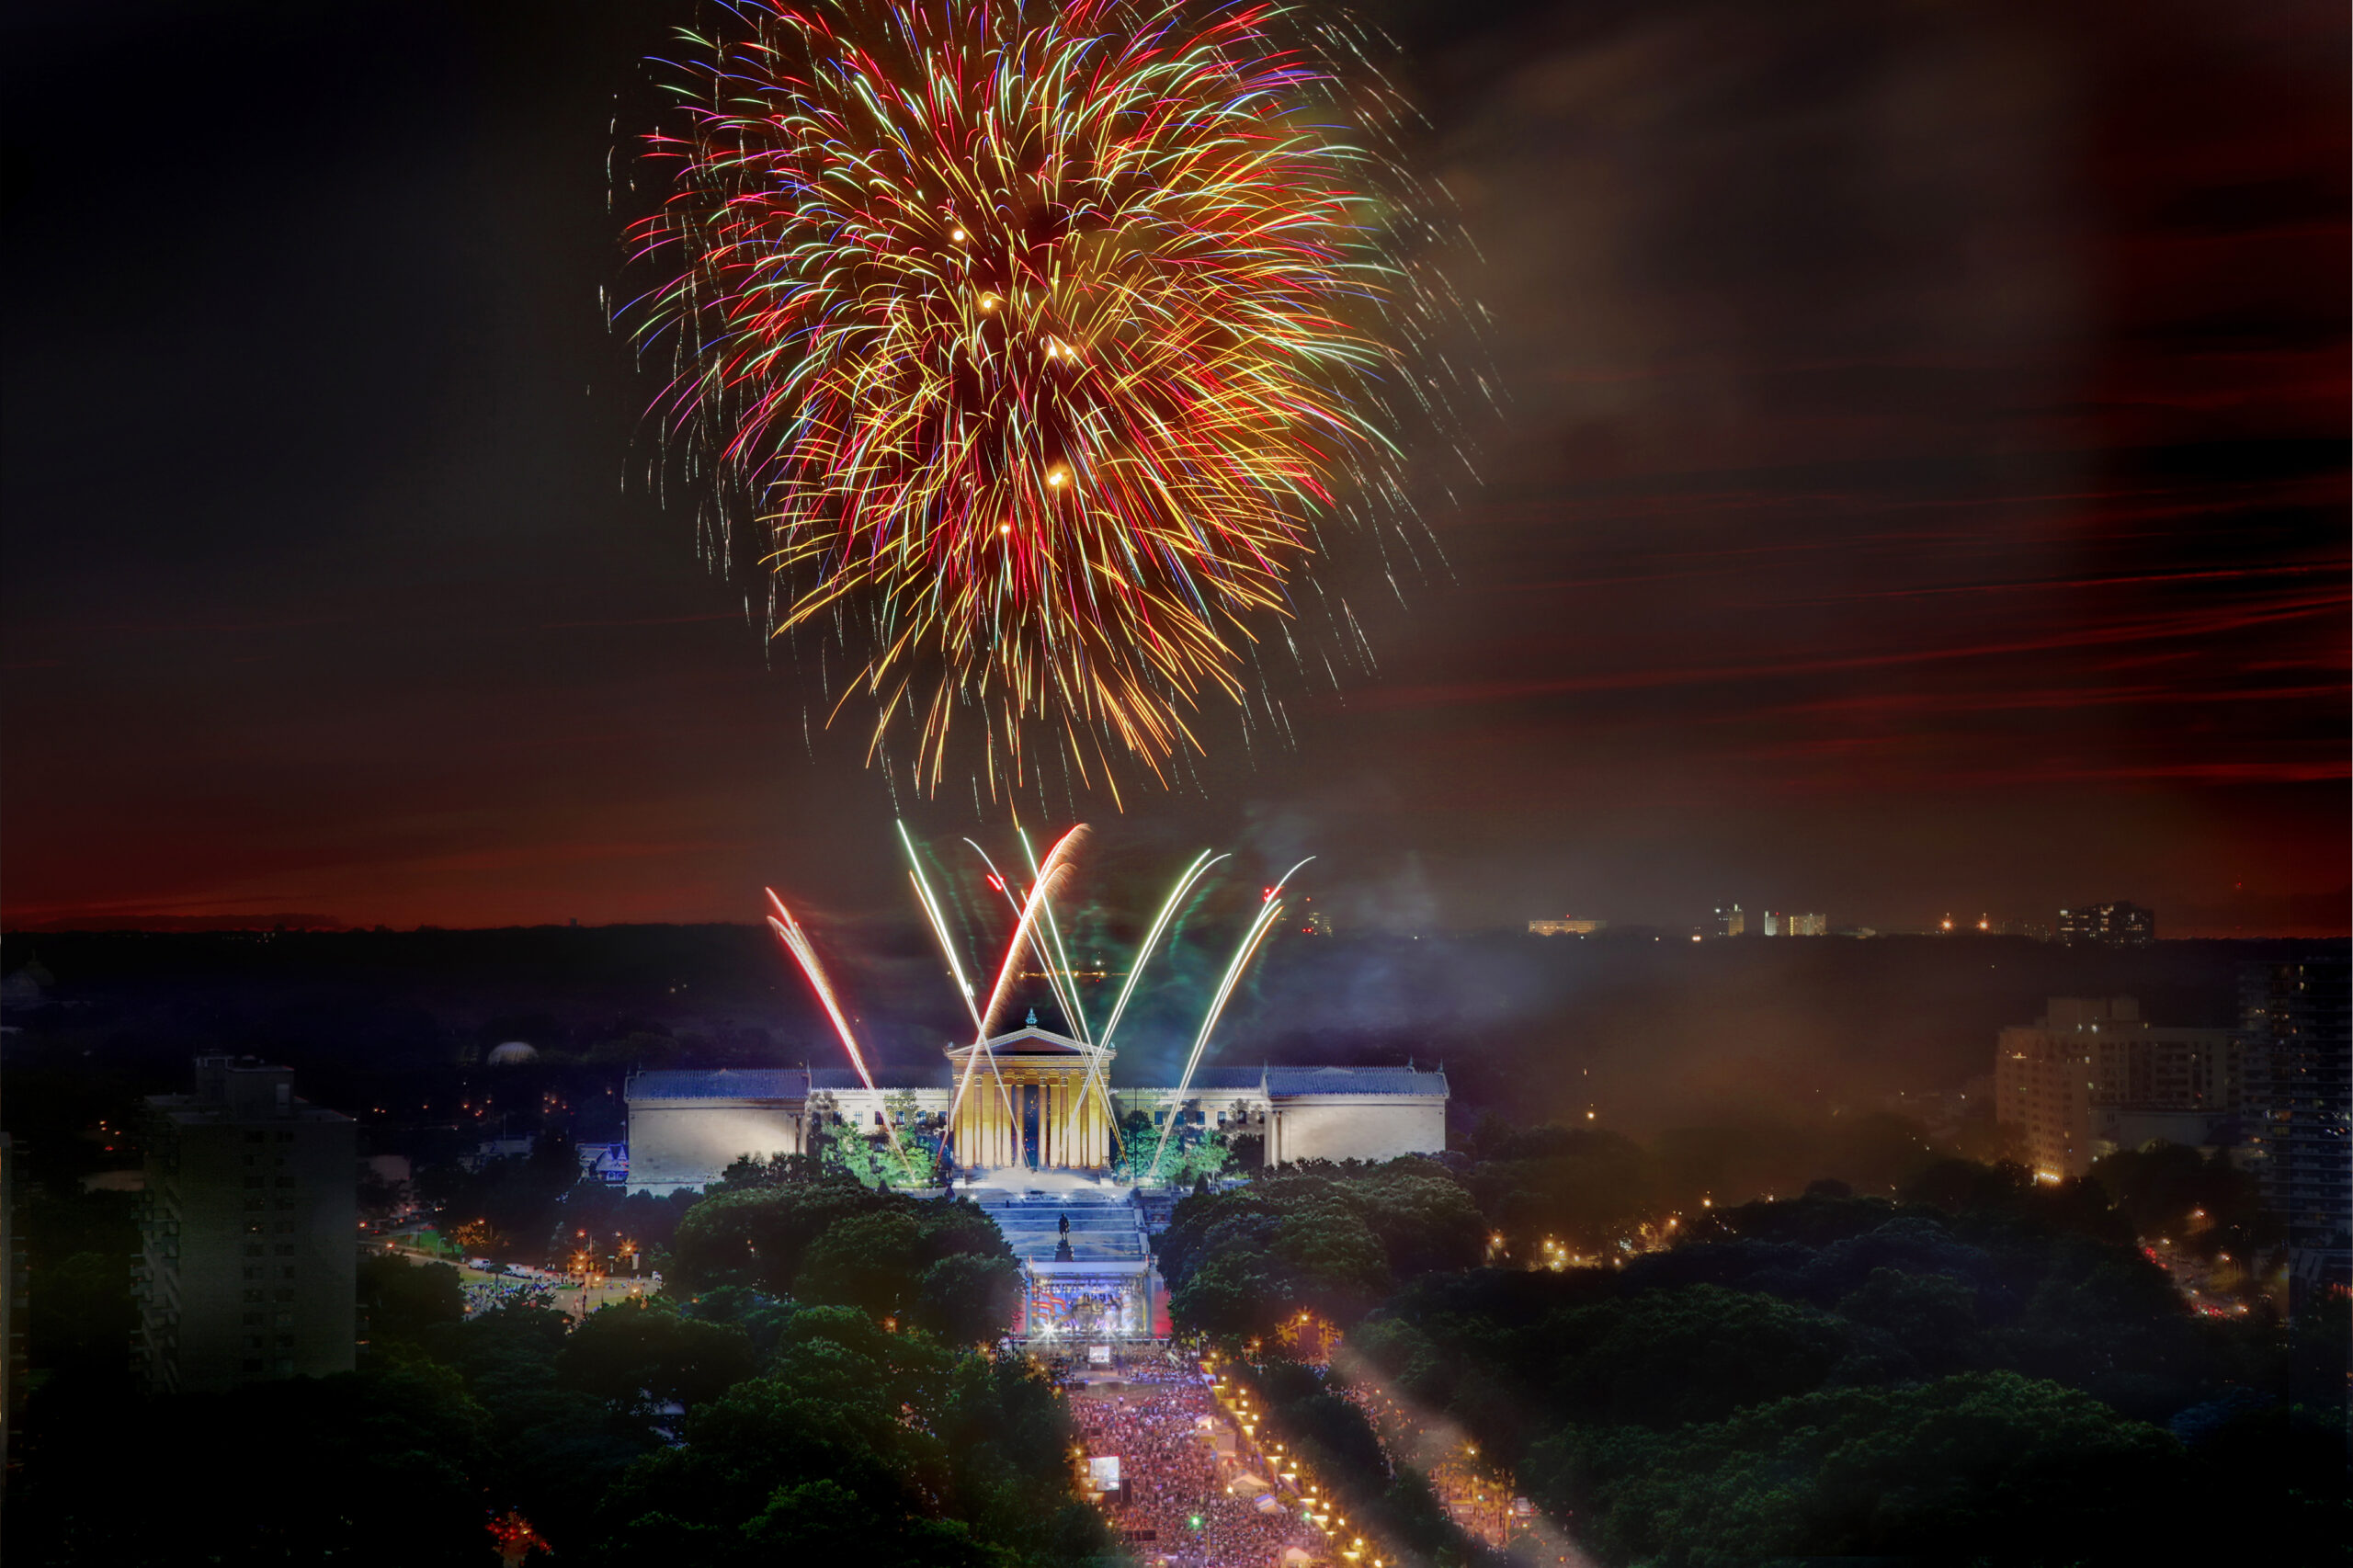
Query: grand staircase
x=1104 y=1228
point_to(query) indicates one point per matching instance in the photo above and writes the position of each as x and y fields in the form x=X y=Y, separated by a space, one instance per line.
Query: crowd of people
x=1162 y=1424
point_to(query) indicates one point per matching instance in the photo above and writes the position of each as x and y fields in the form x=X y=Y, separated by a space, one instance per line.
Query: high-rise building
x=2092 y=1077
x=248 y=1261
x=1808 y=924
x=1730 y=921
x=2296 y=1027
x=2108 y=926
x=12 y=1316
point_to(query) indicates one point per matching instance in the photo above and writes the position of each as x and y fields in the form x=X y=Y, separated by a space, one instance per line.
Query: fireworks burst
x=1039 y=340
x=1036 y=939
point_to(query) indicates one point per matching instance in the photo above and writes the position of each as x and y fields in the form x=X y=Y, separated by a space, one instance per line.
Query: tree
x=2202 y=1205
x=81 y=1312
x=828 y=1239
x=400 y=1300
x=967 y=1298
x=1667 y=1357
x=761 y=1316
x=1582 y=1188
x=888 y=1449
x=634 y=1354
x=375 y=1468
x=557 y=1448
x=1930 y=1317
x=1984 y=1466
x=871 y=1261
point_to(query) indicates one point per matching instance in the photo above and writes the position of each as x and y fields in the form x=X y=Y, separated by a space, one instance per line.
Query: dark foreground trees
x=1332 y=1240
x=823 y=1237
x=858 y=1444
x=380 y=1470
x=1983 y=1466
x=1985 y=1370
x=726 y=1422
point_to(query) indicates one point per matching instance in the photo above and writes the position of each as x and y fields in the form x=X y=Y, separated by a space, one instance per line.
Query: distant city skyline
x=1718 y=921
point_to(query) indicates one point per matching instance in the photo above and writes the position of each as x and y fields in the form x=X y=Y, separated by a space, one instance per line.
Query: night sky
x=1920 y=487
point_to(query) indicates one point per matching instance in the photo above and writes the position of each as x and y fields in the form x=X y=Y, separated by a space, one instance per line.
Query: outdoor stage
x=1085 y=1259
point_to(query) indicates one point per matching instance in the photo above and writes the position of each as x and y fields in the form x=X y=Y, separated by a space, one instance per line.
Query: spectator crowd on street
x=1161 y=1423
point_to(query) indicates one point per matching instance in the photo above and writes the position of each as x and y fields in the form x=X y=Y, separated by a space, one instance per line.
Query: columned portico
x=1033 y=1099
x=1029 y=1103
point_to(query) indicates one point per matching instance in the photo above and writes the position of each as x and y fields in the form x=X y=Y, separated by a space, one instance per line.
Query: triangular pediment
x=1030 y=1041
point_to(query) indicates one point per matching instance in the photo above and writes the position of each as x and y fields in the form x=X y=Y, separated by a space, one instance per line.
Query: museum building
x=1032 y=1099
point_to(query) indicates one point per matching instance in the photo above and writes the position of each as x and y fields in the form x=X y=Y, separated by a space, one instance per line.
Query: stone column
x=1049 y=1146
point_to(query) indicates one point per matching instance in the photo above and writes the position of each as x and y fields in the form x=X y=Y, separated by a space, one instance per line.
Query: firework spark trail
x=1064 y=981
x=1268 y=911
x=797 y=941
x=939 y=925
x=1042 y=340
x=1059 y=973
x=1056 y=967
x=1193 y=874
x=1047 y=949
x=1184 y=884
x=1056 y=864
x=956 y=967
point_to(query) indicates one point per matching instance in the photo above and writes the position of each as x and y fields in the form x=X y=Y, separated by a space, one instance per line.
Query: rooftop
x=720 y=1084
x=795 y=1083
x=1354 y=1080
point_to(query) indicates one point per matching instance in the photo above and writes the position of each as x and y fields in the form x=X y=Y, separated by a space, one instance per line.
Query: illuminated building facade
x=248 y=1266
x=2092 y=1077
x=1035 y=1099
x=1569 y=927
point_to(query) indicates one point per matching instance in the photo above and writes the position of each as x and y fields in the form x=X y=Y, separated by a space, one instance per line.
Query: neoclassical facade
x=1030 y=1099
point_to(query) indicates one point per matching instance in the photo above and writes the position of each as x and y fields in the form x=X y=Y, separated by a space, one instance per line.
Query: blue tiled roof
x=1226 y=1078
x=725 y=1084
x=1305 y=1081
x=1353 y=1081
x=929 y=1075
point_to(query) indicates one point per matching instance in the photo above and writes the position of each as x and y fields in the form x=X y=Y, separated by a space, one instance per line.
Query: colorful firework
x=1270 y=909
x=1035 y=937
x=805 y=953
x=1039 y=340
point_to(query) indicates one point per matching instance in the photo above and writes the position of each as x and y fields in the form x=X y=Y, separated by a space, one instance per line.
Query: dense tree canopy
x=806 y=1382
x=1328 y=1239
x=1981 y=1467
x=1977 y=1368
x=636 y=1354
x=888 y=1449
x=377 y=1469
x=825 y=1237
x=2202 y=1204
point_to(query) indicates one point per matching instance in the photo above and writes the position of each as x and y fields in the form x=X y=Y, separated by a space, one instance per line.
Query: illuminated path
x=1477 y=1496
